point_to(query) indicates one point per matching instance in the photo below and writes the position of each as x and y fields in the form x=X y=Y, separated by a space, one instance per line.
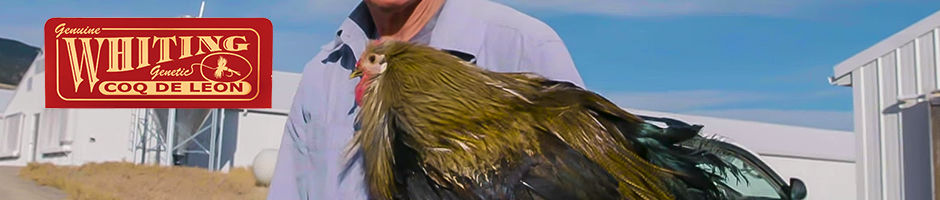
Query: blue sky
x=762 y=60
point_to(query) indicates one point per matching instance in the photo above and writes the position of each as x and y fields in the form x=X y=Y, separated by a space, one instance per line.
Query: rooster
x=432 y=126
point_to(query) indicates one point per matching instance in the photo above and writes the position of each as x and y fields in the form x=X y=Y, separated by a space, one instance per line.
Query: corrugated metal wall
x=894 y=149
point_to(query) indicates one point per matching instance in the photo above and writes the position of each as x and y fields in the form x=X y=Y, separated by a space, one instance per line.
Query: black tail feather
x=680 y=149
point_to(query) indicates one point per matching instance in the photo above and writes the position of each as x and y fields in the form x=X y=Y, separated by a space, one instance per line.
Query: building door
x=34 y=153
x=935 y=145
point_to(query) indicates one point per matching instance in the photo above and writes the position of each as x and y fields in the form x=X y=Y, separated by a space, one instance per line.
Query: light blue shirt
x=311 y=162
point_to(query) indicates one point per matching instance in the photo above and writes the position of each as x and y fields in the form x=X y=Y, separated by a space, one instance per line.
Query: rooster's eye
x=372 y=58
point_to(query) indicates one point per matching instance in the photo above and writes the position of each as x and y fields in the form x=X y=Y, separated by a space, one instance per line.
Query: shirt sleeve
x=551 y=59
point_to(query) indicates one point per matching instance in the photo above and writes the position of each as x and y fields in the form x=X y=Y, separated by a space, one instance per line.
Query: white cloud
x=678 y=7
x=682 y=100
x=725 y=104
x=836 y=120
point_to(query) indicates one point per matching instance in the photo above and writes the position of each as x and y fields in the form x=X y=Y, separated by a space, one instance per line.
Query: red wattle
x=360 y=89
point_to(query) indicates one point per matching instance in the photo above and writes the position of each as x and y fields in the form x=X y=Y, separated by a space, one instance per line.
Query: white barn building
x=29 y=132
x=32 y=133
x=894 y=86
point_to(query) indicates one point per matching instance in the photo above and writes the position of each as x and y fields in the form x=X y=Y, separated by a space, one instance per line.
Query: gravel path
x=13 y=187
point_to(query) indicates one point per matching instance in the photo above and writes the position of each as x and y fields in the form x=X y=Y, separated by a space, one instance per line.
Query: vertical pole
x=220 y=144
x=143 y=137
x=170 y=136
x=202 y=7
x=212 y=135
x=133 y=138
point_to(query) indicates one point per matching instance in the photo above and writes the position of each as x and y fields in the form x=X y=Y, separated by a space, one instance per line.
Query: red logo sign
x=158 y=63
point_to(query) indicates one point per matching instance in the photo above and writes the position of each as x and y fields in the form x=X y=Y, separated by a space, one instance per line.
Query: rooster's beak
x=355 y=73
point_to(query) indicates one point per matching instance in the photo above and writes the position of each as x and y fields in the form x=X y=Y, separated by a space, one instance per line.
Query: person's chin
x=390 y=5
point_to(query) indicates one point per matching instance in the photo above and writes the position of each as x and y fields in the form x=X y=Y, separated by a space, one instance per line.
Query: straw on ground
x=121 y=180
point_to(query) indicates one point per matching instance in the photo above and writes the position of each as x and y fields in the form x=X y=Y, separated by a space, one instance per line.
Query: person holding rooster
x=311 y=162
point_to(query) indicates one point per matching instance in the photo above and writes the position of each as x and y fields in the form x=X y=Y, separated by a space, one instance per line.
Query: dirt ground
x=116 y=180
x=14 y=187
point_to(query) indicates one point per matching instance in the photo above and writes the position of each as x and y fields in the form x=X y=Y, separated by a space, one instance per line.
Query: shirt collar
x=356 y=31
x=362 y=19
